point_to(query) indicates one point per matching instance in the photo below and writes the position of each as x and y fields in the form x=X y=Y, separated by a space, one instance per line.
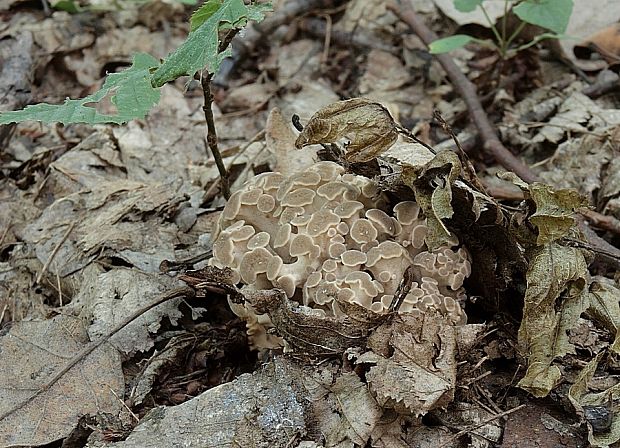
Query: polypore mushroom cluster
x=323 y=238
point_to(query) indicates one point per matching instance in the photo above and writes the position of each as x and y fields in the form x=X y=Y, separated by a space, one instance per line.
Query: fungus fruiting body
x=323 y=237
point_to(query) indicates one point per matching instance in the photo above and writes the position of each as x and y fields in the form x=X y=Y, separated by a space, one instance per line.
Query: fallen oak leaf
x=412 y=363
x=13 y=413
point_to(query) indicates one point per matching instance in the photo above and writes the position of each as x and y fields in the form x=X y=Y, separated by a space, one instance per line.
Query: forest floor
x=112 y=333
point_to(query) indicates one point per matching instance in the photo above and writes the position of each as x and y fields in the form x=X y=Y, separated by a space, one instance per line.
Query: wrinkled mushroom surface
x=324 y=238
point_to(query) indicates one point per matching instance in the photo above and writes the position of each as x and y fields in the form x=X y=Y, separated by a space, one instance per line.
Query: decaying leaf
x=555 y=208
x=554 y=300
x=112 y=296
x=359 y=412
x=596 y=408
x=555 y=211
x=604 y=307
x=368 y=126
x=31 y=355
x=328 y=336
x=420 y=374
x=432 y=185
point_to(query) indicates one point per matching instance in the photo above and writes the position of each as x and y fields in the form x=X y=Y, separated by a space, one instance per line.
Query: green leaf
x=467 y=5
x=449 y=43
x=555 y=299
x=66 y=5
x=130 y=91
x=200 y=50
x=550 y=14
x=203 y=13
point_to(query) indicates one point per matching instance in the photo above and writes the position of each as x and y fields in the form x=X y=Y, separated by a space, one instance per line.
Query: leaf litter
x=108 y=208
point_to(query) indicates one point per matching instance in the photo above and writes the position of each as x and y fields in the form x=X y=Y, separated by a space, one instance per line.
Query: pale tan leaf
x=31 y=355
x=421 y=373
x=359 y=411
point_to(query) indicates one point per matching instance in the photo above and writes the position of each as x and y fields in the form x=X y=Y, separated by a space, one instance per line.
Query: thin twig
x=211 y=141
x=54 y=252
x=318 y=28
x=169 y=265
x=403 y=289
x=601 y=221
x=327 y=40
x=479 y=425
x=6 y=230
x=407 y=133
x=492 y=144
x=182 y=291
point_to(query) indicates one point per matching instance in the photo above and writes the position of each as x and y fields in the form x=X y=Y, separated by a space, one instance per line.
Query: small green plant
x=136 y=90
x=552 y=15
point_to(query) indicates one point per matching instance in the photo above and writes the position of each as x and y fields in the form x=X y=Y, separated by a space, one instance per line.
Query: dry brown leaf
x=33 y=353
x=359 y=411
x=329 y=336
x=420 y=375
x=112 y=296
x=432 y=184
x=368 y=126
x=605 y=42
x=554 y=208
x=604 y=307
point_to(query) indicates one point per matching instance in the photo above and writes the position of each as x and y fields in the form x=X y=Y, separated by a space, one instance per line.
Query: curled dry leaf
x=554 y=301
x=605 y=308
x=432 y=184
x=554 y=208
x=368 y=126
x=310 y=332
x=359 y=412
